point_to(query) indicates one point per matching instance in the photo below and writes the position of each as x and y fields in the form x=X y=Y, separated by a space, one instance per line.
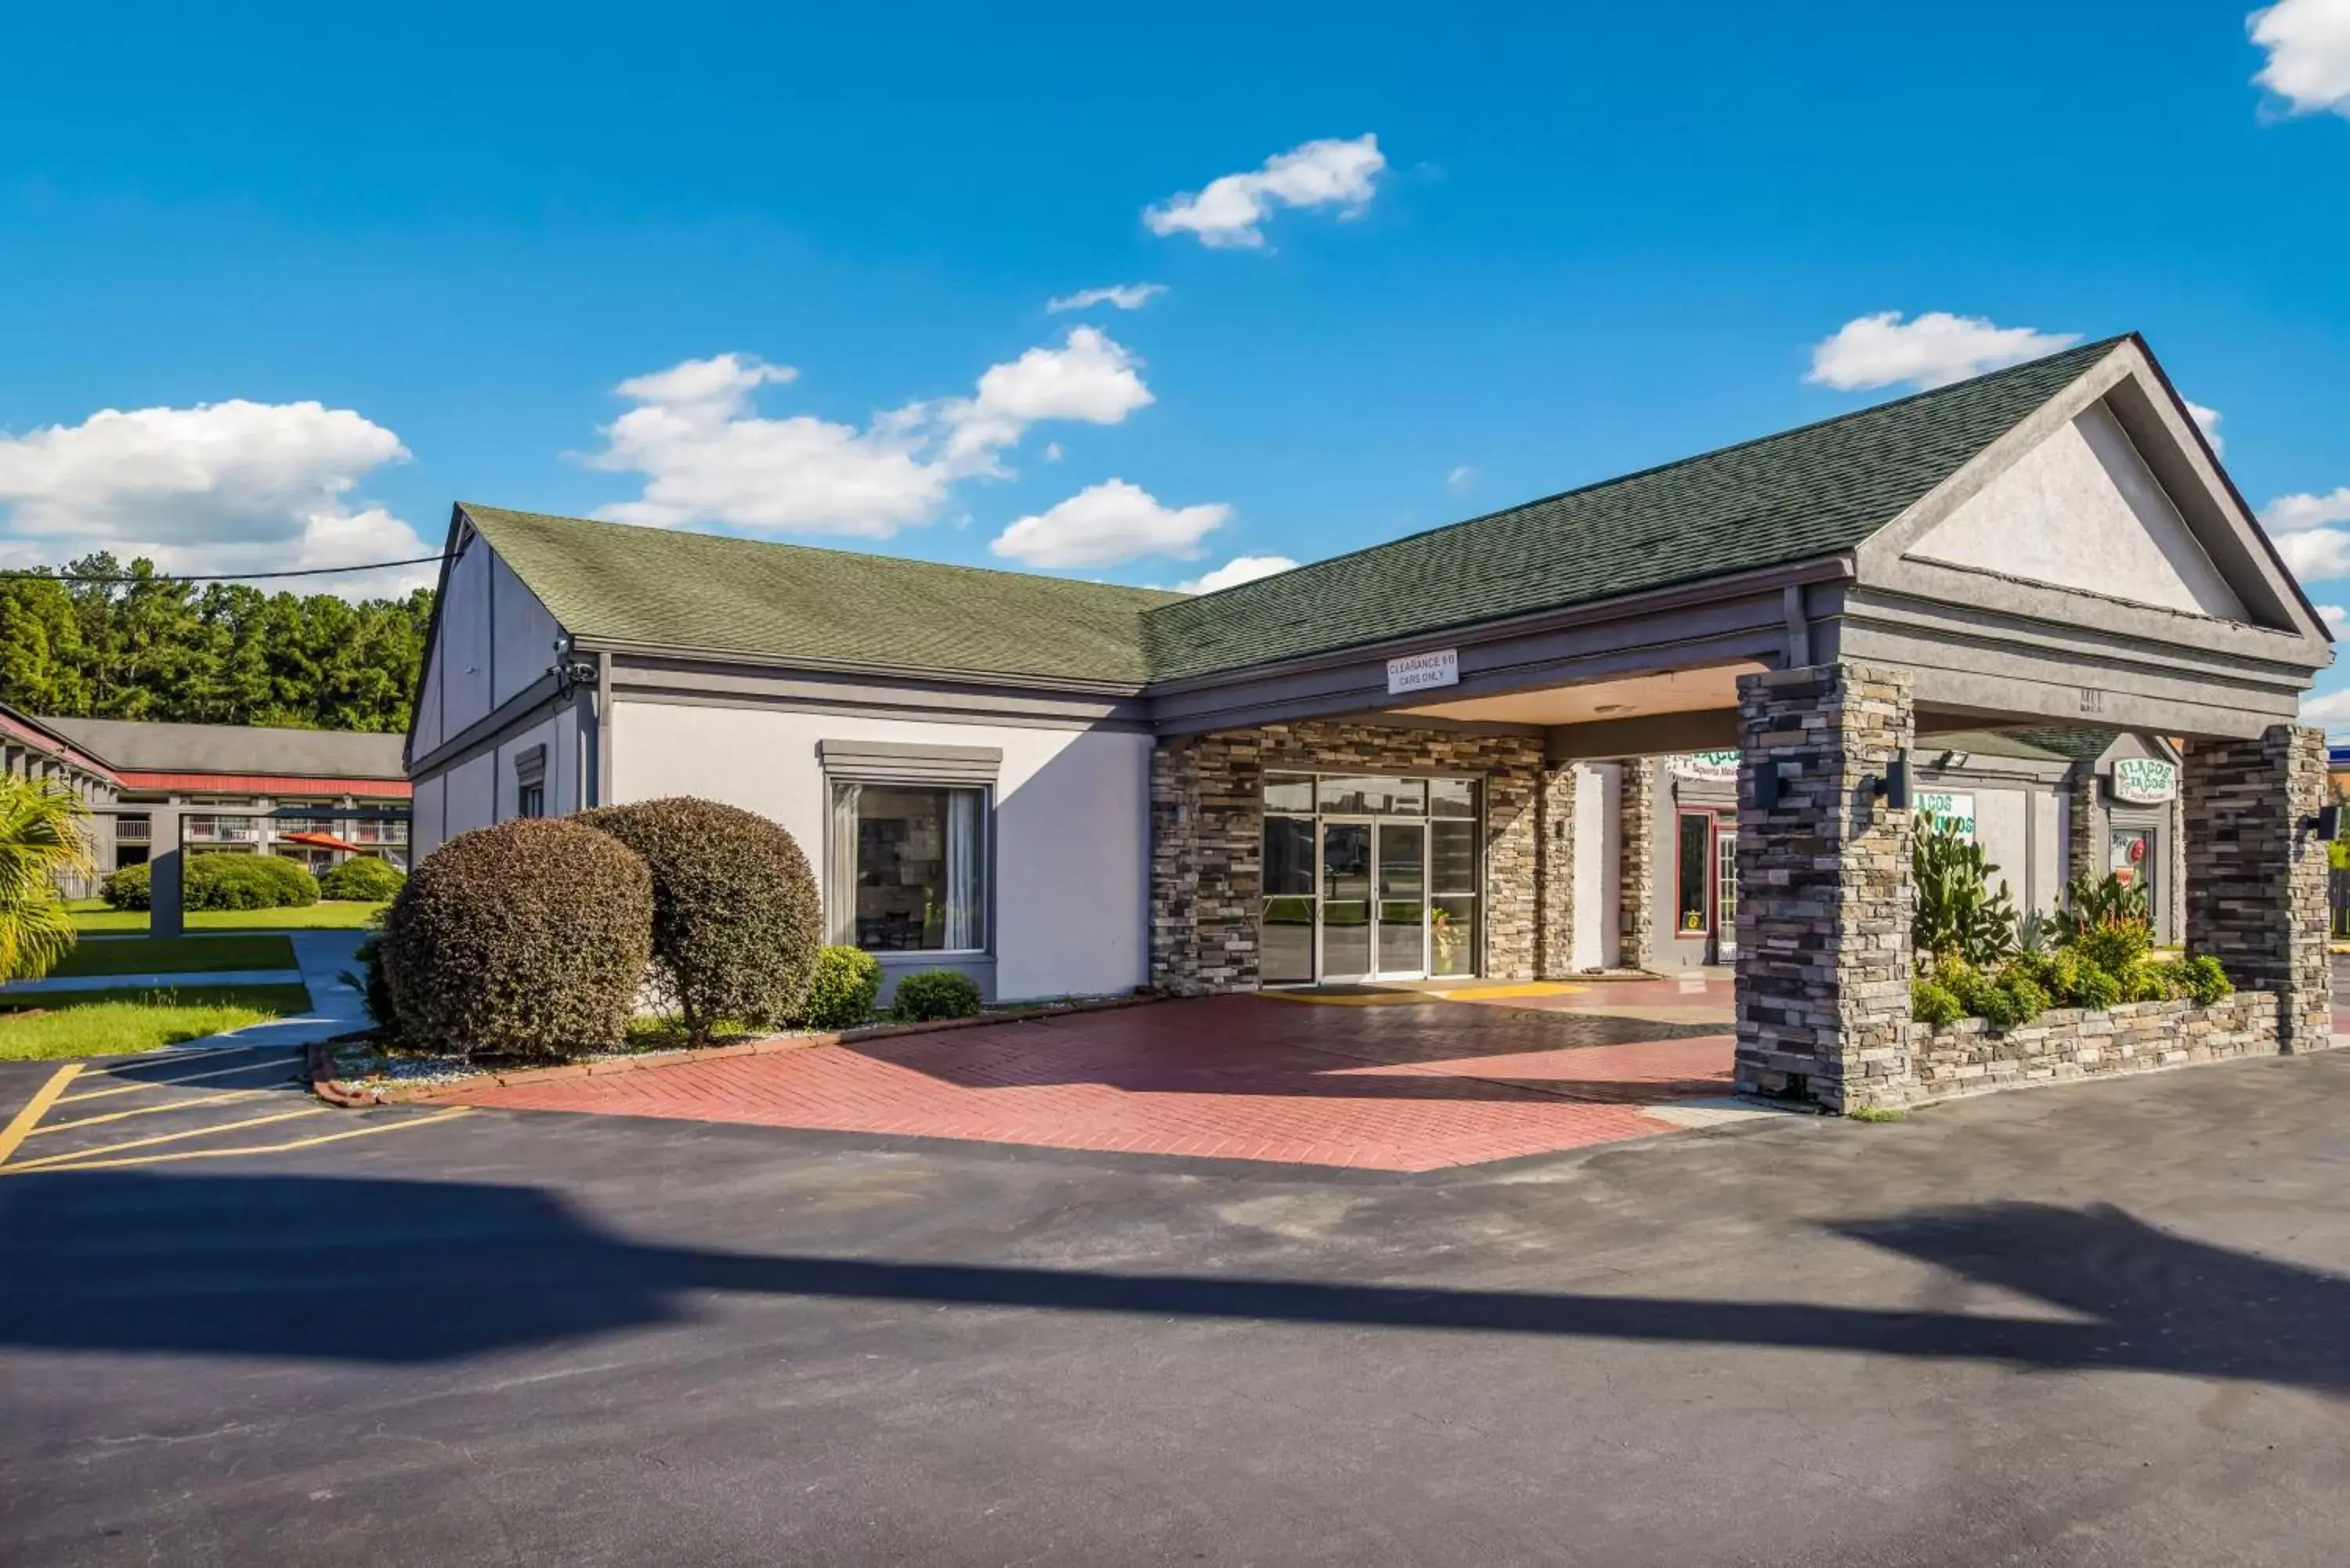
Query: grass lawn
x=177 y=955
x=117 y=1023
x=91 y=915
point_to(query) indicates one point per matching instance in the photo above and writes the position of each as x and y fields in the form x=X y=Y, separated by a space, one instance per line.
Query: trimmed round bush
x=133 y=888
x=841 y=995
x=373 y=985
x=1932 y=1003
x=363 y=878
x=936 y=993
x=219 y=881
x=737 y=923
x=528 y=939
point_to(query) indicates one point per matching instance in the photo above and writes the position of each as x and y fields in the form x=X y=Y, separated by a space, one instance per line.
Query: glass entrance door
x=1346 y=900
x=1725 y=894
x=1403 y=900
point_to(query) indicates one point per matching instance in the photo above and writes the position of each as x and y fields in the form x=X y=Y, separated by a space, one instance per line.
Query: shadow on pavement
x=393 y=1271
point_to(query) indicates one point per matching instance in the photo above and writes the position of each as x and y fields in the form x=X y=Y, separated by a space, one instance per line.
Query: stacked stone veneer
x=1636 y=919
x=1207 y=843
x=1970 y=1058
x=1555 y=874
x=2256 y=873
x=1824 y=892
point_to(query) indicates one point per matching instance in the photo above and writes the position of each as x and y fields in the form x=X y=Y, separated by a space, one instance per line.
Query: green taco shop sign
x=1705 y=767
x=1956 y=812
x=2145 y=781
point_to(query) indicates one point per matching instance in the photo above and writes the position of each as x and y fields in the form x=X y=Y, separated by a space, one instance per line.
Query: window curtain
x=841 y=873
x=966 y=868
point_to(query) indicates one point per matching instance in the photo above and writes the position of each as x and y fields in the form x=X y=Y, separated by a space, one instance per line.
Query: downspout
x=603 y=728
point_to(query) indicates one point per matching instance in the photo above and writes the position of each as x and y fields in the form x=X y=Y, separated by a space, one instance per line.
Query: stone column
x=1206 y=843
x=1554 y=873
x=1824 y=891
x=2256 y=873
x=1636 y=874
x=2084 y=846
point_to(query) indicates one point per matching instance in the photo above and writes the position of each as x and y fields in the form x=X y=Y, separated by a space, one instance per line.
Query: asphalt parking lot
x=2101 y=1324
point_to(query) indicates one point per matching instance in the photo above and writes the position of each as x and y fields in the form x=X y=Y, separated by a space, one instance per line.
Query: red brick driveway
x=1395 y=1084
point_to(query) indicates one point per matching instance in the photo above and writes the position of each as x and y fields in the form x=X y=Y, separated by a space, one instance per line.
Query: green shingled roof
x=1794 y=496
x=667 y=588
x=1798 y=495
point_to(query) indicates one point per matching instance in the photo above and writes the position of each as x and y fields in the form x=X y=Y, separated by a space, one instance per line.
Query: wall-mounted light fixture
x=1894 y=787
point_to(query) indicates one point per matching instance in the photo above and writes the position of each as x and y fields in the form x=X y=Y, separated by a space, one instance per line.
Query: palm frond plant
x=1958 y=917
x=41 y=841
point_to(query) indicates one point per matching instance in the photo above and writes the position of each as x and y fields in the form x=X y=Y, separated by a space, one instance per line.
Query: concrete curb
x=319 y=1056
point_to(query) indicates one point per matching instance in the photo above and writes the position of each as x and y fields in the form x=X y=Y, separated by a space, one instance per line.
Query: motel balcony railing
x=378 y=833
x=132 y=830
x=223 y=830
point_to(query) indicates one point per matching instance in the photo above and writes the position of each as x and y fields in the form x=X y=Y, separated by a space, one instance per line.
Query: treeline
x=225 y=653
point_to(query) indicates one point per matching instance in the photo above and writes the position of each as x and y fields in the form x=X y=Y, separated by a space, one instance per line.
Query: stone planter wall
x=1970 y=1058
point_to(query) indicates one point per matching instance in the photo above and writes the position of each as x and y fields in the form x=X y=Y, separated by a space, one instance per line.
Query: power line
x=214 y=576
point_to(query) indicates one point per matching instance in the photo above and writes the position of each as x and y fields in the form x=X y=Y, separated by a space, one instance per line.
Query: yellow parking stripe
x=155 y=1110
x=167 y=1137
x=72 y=1162
x=165 y=1082
x=20 y=1125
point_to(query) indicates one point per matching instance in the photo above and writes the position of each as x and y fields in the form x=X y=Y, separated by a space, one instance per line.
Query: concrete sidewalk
x=322 y=959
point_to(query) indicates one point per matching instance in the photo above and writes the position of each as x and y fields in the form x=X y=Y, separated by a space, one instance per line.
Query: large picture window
x=909 y=868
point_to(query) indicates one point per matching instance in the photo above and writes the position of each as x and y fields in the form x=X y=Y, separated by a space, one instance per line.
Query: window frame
x=840 y=901
x=1712 y=820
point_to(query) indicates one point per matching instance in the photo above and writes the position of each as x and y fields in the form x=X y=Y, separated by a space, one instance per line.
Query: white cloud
x=1462 y=480
x=707 y=457
x=2208 y=420
x=2331 y=709
x=2308 y=43
x=1052 y=451
x=218 y=488
x=1088 y=378
x=1238 y=570
x=1932 y=350
x=2333 y=615
x=1315 y=174
x=2309 y=533
x=1124 y=295
x=1106 y=523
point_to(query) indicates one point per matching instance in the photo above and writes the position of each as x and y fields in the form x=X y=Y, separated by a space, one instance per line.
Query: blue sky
x=333 y=269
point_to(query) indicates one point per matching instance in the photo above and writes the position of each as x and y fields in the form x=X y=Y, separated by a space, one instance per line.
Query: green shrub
x=530 y=938
x=132 y=887
x=362 y=879
x=372 y=983
x=736 y=922
x=2095 y=987
x=2205 y=981
x=2106 y=922
x=1932 y=1002
x=219 y=881
x=936 y=993
x=1956 y=914
x=2031 y=1000
x=2147 y=981
x=2059 y=976
x=1997 y=1006
x=841 y=995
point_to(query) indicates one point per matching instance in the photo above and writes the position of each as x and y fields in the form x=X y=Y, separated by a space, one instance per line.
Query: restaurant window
x=1692 y=857
x=910 y=866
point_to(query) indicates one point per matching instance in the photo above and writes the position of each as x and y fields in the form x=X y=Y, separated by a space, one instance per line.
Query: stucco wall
x=1598 y=842
x=1070 y=838
x=2082 y=510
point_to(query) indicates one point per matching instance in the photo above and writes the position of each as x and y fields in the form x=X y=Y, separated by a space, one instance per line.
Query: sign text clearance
x=1418 y=672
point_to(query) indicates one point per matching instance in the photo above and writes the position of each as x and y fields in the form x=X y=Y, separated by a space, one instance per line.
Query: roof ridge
x=2084 y=350
x=473 y=509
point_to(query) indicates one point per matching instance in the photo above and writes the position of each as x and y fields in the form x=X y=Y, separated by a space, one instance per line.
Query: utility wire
x=215 y=577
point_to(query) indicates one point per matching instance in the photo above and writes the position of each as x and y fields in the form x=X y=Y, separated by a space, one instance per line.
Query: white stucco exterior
x=1070 y=831
x=2082 y=510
